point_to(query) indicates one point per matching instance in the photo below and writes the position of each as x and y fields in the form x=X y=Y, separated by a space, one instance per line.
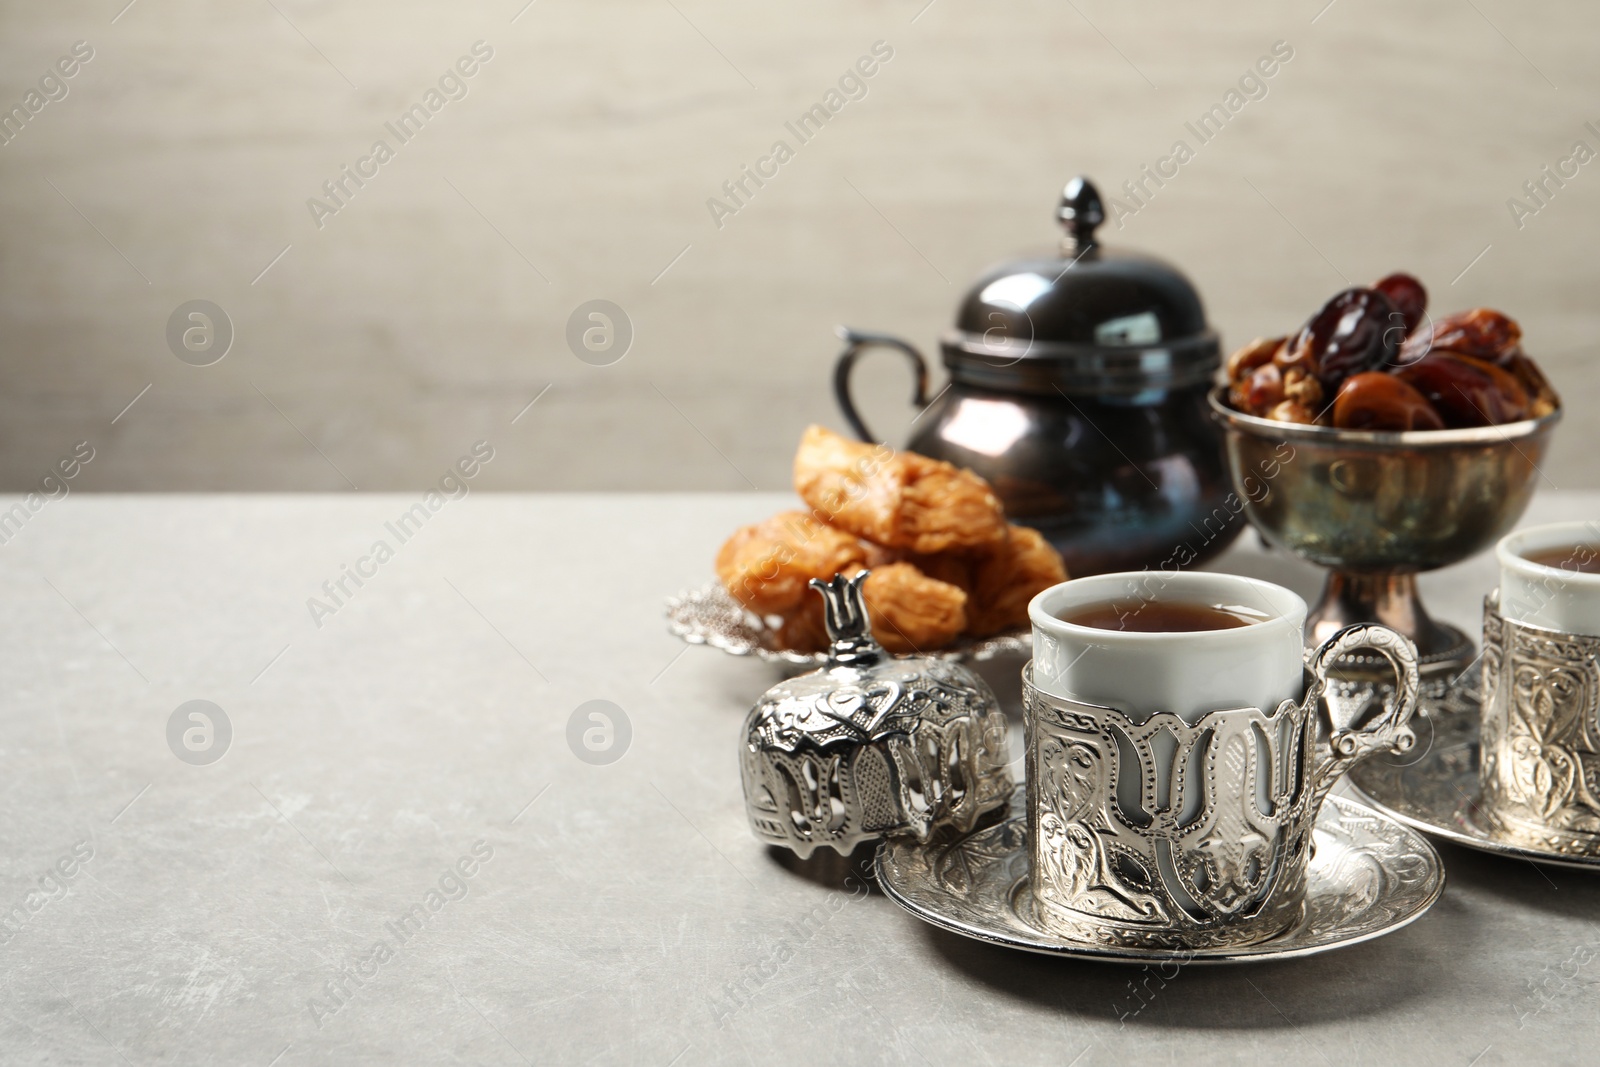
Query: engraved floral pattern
x=1540 y=771
x=1186 y=858
x=1165 y=832
x=1369 y=875
x=871 y=746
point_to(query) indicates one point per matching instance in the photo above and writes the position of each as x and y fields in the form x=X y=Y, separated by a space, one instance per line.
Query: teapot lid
x=1090 y=319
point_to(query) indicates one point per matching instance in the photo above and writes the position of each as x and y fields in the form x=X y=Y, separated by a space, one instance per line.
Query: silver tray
x=1437 y=792
x=709 y=616
x=1368 y=877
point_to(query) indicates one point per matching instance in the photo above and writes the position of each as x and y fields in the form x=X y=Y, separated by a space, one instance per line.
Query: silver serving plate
x=1368 y=877
x=1437 y=792
x=709 y=616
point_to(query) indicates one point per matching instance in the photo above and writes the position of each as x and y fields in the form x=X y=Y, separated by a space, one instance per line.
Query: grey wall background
x=431 y=309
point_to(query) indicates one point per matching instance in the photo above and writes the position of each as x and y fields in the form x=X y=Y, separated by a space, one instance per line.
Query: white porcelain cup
x=1187 y=673
x=1554 y=598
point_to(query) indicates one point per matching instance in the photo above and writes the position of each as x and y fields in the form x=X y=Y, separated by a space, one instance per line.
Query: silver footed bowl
x=1379 y=508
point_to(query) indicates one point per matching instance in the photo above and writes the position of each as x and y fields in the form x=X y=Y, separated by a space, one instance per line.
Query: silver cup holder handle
x=1349 y=729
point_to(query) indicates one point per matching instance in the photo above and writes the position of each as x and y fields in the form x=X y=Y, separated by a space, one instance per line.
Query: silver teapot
x=1078 y=390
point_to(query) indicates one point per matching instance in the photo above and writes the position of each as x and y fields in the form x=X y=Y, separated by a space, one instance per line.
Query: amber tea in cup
x=1134 y=615
x=1584 y=559
x=1550 y=577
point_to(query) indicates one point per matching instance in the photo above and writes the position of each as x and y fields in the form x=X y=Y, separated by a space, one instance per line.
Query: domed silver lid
x=871 y=745
x=1089 y=319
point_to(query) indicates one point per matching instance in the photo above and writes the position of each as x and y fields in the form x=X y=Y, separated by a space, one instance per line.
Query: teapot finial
x=849 y=628
x=1080 y=212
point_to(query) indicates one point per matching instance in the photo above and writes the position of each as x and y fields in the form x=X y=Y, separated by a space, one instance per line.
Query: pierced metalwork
x=1369 y=876
x=872 y=744
x=1539 y=773
x=1435 y=790
x=1158 y=832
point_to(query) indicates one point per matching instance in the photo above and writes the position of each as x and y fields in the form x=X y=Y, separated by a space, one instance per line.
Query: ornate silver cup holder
x=1542 y=735
x=1209 y=840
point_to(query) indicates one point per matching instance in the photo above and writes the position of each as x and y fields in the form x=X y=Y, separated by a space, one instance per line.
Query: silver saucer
x=1438 y=792
x=1369 y=876
x=709 y=616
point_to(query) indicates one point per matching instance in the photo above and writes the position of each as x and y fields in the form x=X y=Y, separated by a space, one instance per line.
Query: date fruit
x=1259 y=392
x=1467 y=391
x=1352 y=333
x=1253 y=355
x=1481 y=333
x=1372 y=359
x=1378 y=401
x=1542 y=396
x=1410 y=299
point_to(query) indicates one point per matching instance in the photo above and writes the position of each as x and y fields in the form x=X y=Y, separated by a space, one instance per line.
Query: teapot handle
x=857 y=343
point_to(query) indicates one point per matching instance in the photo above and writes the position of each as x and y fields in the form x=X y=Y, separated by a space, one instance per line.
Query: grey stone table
x=399 y=856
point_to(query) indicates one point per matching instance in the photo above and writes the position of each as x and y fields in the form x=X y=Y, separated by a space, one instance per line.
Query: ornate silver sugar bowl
x=871 y=745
